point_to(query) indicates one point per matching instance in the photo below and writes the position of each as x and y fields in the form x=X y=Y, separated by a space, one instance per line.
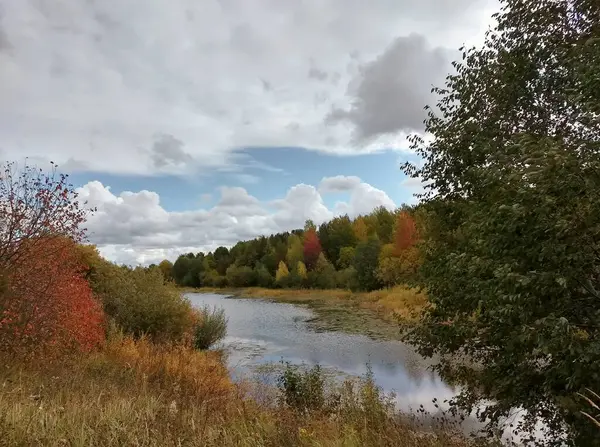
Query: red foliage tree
x=405 y=233
x=312 y=248
x=45 y=302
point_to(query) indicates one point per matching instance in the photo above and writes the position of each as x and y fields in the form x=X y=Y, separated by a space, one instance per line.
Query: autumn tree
x=295 y=251
x=361 y=231
x=311 y=248
x=34 y=207
x=405 y=232
x=282 y=272
x=57 y=311
x=399 y=261
x=301 y=270
x=46 y=304
x=511 y=260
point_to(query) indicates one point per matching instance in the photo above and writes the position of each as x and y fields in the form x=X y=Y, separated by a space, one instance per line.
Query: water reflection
x=261 y=332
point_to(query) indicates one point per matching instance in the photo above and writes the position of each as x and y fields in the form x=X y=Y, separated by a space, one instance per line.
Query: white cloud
x=133 y=227
x=138 y=87
x=363 y=196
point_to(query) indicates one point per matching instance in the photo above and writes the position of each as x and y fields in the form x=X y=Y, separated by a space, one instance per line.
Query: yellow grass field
x=135 y=393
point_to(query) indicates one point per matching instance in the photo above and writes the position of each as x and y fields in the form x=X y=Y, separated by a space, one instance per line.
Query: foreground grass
x=137 y=393
x=375 y=314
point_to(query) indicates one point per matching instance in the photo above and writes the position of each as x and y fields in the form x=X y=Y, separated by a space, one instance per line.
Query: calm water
x=262 y=332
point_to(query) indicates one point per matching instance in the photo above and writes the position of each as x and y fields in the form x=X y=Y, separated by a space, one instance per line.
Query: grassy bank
x=375 y=314
x=142 y=394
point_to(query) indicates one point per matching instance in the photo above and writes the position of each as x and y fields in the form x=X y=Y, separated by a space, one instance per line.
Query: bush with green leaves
x=307 y=390
x=302 y=390
x=139 y=301
x=210 y=328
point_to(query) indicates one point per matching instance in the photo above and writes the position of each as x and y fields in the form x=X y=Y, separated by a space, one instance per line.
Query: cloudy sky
x=192 y=124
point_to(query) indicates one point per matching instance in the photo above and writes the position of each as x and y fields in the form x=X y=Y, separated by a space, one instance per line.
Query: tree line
x=366 y=253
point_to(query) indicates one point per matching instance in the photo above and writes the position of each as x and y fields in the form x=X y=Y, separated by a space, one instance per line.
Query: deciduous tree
x=312 y=248
x=366 y=262
x=511 y=261
x=360 y=229
x=282 y=272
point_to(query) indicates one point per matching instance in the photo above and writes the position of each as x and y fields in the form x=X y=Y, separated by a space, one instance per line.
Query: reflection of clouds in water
x=412 y=398
x=262 y=332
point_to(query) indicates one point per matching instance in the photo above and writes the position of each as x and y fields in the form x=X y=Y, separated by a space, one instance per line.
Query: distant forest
x=366 y=253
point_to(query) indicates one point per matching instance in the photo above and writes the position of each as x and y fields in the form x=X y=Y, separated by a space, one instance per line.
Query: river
x=264 y=332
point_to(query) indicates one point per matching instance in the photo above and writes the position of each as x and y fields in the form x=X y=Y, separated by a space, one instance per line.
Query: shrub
x=302 y=390
x=139 y=301
x=48 y=306
x=211 y=327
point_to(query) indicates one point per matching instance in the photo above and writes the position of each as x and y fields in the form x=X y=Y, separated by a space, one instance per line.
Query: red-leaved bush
x=46 y=305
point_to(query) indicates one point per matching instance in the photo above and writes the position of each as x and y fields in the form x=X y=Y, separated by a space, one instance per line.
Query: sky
x=192 y=124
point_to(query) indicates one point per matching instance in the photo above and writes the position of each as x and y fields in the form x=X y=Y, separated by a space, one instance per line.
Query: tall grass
x=136 y=393
x=210 y=328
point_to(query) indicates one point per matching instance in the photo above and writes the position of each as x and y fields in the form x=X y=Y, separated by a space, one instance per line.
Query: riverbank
x=375 y=314
x=139 y=393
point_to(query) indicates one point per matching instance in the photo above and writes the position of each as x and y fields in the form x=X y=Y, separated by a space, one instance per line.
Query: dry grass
x=399 y=302
x=140 y=394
